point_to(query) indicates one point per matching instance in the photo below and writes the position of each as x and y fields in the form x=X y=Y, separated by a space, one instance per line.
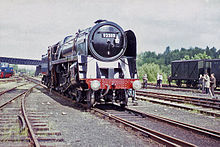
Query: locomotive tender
x=97 y=64
x=188 y=71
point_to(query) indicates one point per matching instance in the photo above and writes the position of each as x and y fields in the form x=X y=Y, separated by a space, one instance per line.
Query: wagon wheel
x=125 y=102
x=78 y=96
x=90 y=98
x=188 y=83
x=178 y=83
x=194 y=84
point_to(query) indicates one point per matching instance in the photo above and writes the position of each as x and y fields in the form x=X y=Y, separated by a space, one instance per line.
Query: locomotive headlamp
x=95 y=85
x=137 y=85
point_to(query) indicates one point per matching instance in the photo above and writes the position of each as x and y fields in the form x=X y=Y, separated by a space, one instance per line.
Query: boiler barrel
x=67 y=46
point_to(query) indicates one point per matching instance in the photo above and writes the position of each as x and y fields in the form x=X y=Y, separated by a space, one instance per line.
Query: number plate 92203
x=108 y=35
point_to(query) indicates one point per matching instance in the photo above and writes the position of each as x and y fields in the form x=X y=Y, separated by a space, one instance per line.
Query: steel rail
x=204 y=131
x=4 y=104
x=33 y=138
x=213 y=103
x=30 y=130
x=157 y=136
x=202 y=111
x=5 y=91
x=23 y=112
x=169 y=141
x=154 y=137
x=175 y=88
x=21 y=123
x=25 y=93
x=200 y=130
x=10 y=80
x=181 y=96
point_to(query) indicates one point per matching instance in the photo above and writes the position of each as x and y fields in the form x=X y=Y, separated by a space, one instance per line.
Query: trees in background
x=22 y=70
x=15 y=67
x=152 y=63
x=197 y=56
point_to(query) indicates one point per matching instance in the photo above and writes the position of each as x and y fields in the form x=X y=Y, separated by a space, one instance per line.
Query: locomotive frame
x=96 y=65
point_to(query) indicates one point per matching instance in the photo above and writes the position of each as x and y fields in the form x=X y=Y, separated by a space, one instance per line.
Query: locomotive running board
x=64 y=60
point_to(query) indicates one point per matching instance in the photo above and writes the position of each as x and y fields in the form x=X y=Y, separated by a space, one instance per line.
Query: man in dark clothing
x=169 y=80
x=212 y=83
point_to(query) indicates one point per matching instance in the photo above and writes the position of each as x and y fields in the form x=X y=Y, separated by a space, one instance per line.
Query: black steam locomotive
x=97 y=64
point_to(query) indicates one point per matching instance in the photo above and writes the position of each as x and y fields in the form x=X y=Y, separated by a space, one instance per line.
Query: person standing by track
x=212 y=83
x=160 y=80
x=201 y=83
x=169 y=80
x=207 y=84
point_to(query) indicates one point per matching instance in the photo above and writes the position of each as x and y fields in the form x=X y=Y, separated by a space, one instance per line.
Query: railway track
x=165 y=131
x=13 y=79
x=199 y=101
x=175 y=88
x=21 y=126
x=210 y=106
x=11 y=89
x=139 y=123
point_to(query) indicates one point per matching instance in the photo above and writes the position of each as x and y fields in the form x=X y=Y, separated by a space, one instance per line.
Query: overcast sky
x=28 y=27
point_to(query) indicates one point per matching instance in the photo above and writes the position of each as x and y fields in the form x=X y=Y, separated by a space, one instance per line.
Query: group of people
x=207 y=84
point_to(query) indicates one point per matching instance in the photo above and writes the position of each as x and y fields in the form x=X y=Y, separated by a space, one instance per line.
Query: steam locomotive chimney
x=99 y=21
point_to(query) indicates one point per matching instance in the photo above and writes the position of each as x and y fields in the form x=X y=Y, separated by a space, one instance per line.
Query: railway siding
x=192 y=103
x=15 y=116
x=139 y=118
x=175 y=88
x=88 y=130
x=180 y=135
x=202 y=110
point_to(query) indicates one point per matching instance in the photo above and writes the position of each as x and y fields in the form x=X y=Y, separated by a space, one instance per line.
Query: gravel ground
x=11 y=112
x=81 y=128
x=181 y=115
x=9 y=95
x=168 y=129
x=4 y=86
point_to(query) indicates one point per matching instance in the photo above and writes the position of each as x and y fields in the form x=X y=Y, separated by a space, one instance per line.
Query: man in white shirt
x=160 y=80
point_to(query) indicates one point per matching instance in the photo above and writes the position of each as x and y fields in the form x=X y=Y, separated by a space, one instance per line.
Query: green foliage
x=170 y=55
x=197 y=56
x=201 y=56
x=26 y=71
x=166 y=69
x=152 y=63
x=146 y=57
x=151 y=69
x=15 y=67
x=186 y=57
